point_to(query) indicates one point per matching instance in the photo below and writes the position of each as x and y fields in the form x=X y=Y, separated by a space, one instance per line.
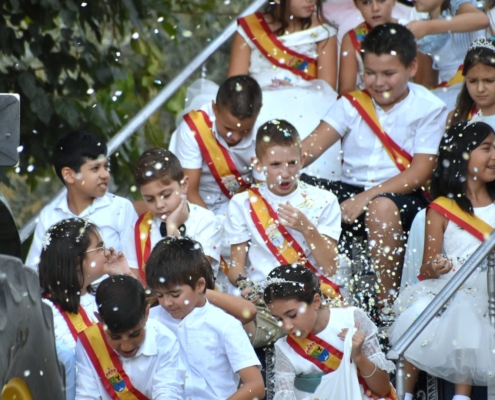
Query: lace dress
x=457 y=344
x=288 y=363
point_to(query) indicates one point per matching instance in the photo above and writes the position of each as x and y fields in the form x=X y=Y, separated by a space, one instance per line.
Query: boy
x=215 y=144
x=213 y=344
x=126 y=352
x=383 y=173
x=160 y=178
x=282 y=221
x=81 y=163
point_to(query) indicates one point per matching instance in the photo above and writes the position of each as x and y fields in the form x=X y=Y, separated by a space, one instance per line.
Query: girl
x=316 y=331
x=443 y=41
x=292 y=52
x=457 y=344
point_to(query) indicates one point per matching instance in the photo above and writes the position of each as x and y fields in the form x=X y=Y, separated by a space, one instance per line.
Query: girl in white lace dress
x=316 y=338
x=458 y=343
x=292 y=52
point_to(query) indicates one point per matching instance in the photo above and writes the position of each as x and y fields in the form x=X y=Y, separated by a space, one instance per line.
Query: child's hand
x=418 y=28
x=177 y=217
x=249 y=295
x=352 y=208
x=116 y=263
x=293 y=218
x=441 y=264
x=357 y=341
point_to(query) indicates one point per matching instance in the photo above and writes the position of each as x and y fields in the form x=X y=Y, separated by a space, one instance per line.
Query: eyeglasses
x=102 y=247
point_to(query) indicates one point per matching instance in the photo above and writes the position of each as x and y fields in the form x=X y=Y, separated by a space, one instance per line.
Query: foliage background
x=94 y=65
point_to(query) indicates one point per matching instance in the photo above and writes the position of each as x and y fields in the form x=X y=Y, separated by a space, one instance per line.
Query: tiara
x=483 y=43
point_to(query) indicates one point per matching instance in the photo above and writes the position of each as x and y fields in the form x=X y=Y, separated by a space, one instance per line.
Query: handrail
x=149 y=109
x=398 y=350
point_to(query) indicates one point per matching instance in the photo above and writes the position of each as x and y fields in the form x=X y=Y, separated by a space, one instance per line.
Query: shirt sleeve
x=210 y=237
x=284 y=376
x=340 y=115
x=242 y=32
x=187 y=149
x=33 y=257
x=129 y=247
x=329 y=223
x=236 y=225
x=430 y=130
x=128 y=218
x=87 y=380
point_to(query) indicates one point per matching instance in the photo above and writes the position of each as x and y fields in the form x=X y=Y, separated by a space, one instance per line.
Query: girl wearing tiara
x=457 y=344
x=314 y=347
x=292 y=52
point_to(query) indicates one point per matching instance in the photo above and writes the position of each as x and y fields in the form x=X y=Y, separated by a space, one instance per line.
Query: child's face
x=386 y=78
x=163 y=199
x=230 y=128
x=298 y=318
x=281 y=166
x=180 y=300
x=92 y=180
x=95 y=257
x=481 y=165
x=375 y=12
x=480 y=83
x=127 y=344
x=302 y=8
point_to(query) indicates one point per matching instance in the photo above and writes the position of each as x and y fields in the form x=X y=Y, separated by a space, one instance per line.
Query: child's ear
x=303 y=158
x=69 y=175
x=214 y=107
x=413 y=68
x=255 y=162
x=97 y=315
x=316 y=301
x=201 y=285
x=147 y=312
x=185 y=184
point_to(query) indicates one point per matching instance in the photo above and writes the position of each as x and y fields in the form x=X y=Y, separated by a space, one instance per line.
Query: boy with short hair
x=160 y=178
x=81 y=163
x=215 y=144
x=213 y=344
x=390 y=135
x=126 y=351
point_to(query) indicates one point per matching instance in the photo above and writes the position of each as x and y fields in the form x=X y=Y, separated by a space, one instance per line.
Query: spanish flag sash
x=107 y=365
x=472 y=113
x=76 y=322
x=457 y=78
x=327 y=358
x=281 y=243
x=142 y=241
x=217 y=157
x=274 y=50
x=470 y=222
x=361 y=100
x=358 y=34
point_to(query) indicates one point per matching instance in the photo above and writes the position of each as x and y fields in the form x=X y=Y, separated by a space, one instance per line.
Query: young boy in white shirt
x=390 y=134
x=214 y=346
x=281 y=221
x=215 y=144
x=160 y=178
x=81 y=163
x=126 y=351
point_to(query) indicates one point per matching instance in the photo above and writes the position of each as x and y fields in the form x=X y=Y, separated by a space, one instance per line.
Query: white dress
x=459 y=343
x=305 y=102
x=288 y=363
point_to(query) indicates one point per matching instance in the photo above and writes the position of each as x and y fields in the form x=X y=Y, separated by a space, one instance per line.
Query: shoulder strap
x=76 y=322
x=358 y=34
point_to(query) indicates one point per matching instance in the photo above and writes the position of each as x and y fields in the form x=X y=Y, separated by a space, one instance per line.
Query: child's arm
x=253 y=386
x=238 y=260
x=467 y=19
x=241 y=309
x=193 y=190
x=348 y=66
x=240 y=57
x=426 y=75
x=321 y=139
x=327 y=60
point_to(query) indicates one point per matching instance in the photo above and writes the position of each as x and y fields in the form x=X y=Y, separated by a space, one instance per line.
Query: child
x=374 y=12
x=160 y=178
x=292 y=52
x=127 y=353
x=443 y=41
x=215 y=144
x=283 y=220
x=383 y=173
x=81 y=163
x=456 y=345
x=213 y=344
x=315 y=344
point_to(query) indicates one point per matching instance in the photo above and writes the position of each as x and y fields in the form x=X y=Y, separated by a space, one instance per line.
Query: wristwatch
x=240 y=278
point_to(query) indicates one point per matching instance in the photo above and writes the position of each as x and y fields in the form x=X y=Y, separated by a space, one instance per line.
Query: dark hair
x=279 y=12
x=121 y=303
x=391 y=38
x=292 y=282
x=241 y=96
x=157 y=164
x=76 y=148
x=478 y=55
x=277 y=132
x=178 y=261
x=60 y=267
x=450 y=175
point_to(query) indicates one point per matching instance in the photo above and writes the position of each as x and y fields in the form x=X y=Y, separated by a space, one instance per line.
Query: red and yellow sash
x=272 y=48
x=217 y=157
x=107 y=365
x=76 y=322
x=269 y=227
x=457 y=78
x=361 y=100
x=358 y=34
x=142 y=241
x=470 y=222
x=327 y=358
x=472 y=113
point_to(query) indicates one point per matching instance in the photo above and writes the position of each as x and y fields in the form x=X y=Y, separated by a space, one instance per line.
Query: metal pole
x=490 y=276
x=400 y=378
x=149 y=109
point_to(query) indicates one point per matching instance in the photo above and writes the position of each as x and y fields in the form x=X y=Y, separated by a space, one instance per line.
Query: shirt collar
x=98 y=202
x=149 y=347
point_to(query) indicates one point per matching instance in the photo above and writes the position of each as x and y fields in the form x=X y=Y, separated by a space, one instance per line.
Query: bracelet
x=370 y=375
